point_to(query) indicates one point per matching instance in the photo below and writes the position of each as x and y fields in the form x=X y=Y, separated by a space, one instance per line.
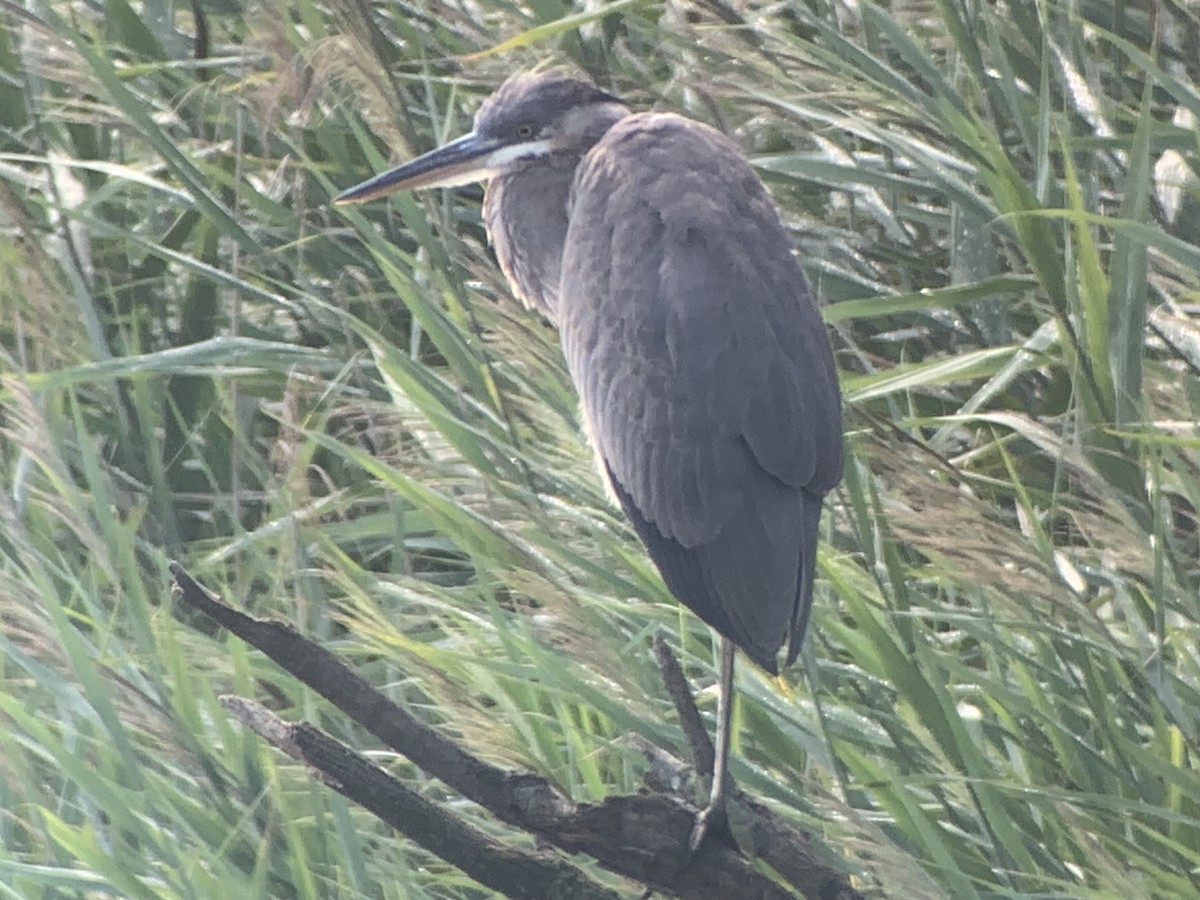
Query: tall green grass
x=339 y=418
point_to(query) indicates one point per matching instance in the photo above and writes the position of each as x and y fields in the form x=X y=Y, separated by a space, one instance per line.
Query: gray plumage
x=705 y=376
x=704 y=372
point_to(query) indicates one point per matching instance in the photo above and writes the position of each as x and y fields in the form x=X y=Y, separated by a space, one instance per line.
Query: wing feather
x=704 y=373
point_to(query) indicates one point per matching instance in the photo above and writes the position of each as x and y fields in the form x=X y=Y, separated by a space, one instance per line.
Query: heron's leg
x=713 y=815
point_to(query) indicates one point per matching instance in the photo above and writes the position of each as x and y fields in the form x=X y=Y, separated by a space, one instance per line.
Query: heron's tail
x=810 y=526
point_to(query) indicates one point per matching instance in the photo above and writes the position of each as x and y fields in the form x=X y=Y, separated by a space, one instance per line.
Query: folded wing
x=704 y=371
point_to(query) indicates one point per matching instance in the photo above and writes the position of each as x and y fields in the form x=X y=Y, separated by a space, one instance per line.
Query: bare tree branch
x=641 y=837
x=669 y=670
x=514 y=872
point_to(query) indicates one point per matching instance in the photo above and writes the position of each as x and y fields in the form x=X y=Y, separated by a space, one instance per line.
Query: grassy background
x=338 y=417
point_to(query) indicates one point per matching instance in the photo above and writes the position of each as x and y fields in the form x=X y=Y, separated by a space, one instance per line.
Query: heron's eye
x=524 y=131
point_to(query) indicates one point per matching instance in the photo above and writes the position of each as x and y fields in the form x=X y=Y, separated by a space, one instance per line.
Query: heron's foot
x=712 y=819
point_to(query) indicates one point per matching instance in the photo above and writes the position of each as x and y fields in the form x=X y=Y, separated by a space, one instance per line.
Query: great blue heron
x=705 y=375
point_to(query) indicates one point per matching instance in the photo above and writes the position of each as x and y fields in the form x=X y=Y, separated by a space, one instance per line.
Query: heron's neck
x=526 y=210
x=526 y=216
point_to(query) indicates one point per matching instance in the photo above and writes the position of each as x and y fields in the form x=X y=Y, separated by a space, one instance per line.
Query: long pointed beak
x=467 y=159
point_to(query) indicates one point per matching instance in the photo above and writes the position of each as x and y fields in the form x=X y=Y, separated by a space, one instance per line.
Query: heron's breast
x=526 y=217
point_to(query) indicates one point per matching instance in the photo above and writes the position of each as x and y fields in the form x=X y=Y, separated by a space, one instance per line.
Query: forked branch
x=640 y=837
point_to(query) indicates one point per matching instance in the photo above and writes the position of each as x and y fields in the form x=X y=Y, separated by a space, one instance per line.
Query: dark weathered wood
x=641 y=837
x=518 y=873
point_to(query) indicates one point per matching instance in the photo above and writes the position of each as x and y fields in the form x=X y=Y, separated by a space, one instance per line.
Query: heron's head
x=530 y=117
